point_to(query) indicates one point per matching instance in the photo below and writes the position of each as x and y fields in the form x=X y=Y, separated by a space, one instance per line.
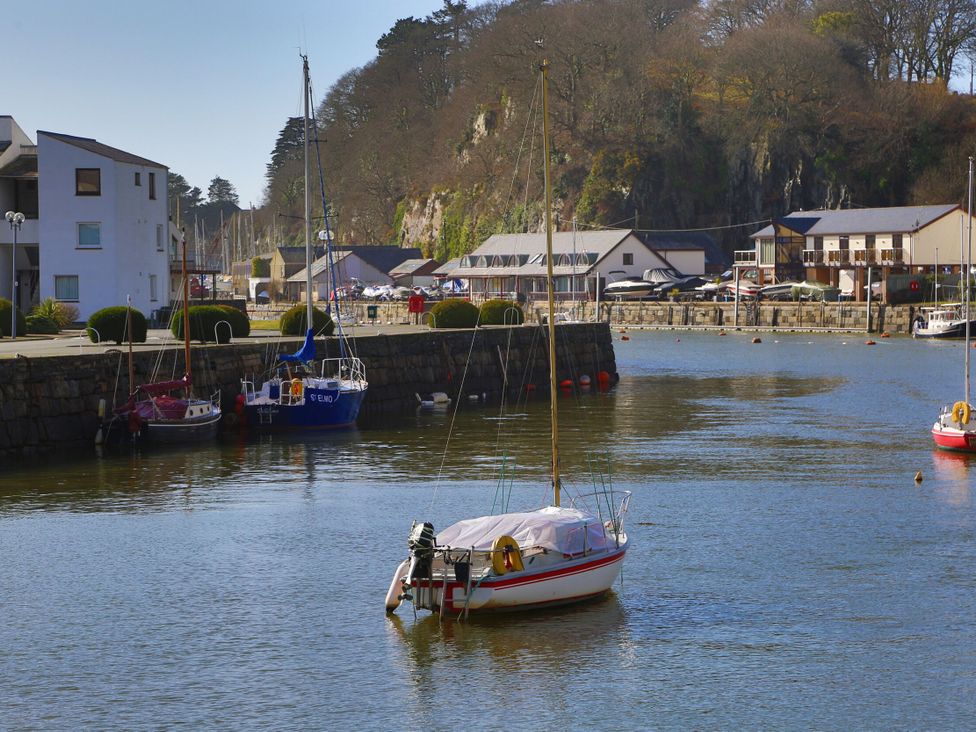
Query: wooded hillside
x=667 y=114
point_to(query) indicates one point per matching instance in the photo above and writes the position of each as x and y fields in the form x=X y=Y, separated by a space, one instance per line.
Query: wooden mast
x=553 y=395
x=186 y=314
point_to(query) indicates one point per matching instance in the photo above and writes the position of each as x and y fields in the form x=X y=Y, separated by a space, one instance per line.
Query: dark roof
x=92 y=145
x=892 y=220
x=383 y=258
x=799 y=224
x=676 y=240
x=415 y=267
x=24 y=166
x=296 y=255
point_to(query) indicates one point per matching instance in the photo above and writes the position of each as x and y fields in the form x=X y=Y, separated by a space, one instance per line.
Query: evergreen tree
x=221 y=190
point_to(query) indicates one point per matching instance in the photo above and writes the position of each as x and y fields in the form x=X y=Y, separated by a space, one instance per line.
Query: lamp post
x=15 y=219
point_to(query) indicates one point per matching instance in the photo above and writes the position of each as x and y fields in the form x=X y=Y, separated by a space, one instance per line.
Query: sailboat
x=955 y=429
x=303 y=393
x=551 y=556
x=153 y=413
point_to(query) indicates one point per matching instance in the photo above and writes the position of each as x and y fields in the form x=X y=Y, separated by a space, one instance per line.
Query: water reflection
x=953 y=472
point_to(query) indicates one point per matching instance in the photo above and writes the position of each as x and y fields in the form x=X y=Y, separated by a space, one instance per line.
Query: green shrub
x=453 y=313
x=260 y=267
x=203 y=324
x=41 y=324
x=501 y=312
x=239 y=322
x=108 y=324
x=63 y=314
x=294 y=321
x=5 y=319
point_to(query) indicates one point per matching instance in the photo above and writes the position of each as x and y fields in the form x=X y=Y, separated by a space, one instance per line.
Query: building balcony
x=865 y=256
x=892 y=256
x=813 y=257
x=745 y=257
x=28 y=234
x=837 y=257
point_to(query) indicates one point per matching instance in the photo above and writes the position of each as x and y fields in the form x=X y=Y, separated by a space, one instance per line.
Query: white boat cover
x=556 y=529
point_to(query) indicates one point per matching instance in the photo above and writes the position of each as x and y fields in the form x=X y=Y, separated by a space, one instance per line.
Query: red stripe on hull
x=506 y=582
x=955 y=440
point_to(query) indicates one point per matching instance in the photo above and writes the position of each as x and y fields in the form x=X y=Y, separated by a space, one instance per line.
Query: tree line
x=667 y=114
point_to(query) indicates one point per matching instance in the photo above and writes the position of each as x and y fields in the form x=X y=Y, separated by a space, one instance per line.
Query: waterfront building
x=415 y=273
x=365 y=264
x=842 y=247
x=96 y=228
x=584 y=262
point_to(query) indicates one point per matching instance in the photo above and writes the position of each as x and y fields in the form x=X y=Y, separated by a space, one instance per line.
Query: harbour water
x=785 y=571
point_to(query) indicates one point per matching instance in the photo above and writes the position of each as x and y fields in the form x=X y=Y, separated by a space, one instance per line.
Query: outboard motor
x=421 y=544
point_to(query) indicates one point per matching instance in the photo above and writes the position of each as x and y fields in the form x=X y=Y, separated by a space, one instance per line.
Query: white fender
x=393 y=594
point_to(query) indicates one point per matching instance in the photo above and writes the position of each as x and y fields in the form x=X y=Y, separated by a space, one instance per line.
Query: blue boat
x=305 y=393
x=302 y=393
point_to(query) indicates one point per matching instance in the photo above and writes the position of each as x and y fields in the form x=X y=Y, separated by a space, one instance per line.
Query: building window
x=845 y=243
x=88 y=181
x=138 y=178
x=818 y=243
x=152 y=186
x=896 y=241
x=90 y=236
x=159 y=237
x=767 y=251
x=66 y=288
x=628 y=259
x=153 y=294
x=869 y=241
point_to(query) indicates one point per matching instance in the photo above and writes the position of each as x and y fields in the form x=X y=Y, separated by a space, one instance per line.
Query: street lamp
x=15 y=219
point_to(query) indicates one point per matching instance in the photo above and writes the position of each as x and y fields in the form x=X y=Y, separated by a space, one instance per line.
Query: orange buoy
x=869 y=342
x=886 y=334
x=622 y=330
x=625 y=337
x=722 y=332
x=757 y=339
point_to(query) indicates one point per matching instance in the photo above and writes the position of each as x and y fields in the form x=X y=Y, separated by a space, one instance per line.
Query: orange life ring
x=506 y=555
x=960 y=413
x=296 y=387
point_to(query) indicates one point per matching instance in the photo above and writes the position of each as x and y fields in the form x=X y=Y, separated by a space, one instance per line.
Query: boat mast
x=969 y=266
x=186 y=315
x=549 y=284
x=308 y=201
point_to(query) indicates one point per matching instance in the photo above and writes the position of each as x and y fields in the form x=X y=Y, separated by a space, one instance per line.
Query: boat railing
x=349 y=368
x=609 y=502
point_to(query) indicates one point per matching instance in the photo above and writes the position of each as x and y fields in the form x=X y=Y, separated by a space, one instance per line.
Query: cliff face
x=662 y=117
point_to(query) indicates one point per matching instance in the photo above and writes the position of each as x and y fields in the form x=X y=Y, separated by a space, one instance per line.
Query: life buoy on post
x=960 y=413
x=506 y=555
x=296 y=388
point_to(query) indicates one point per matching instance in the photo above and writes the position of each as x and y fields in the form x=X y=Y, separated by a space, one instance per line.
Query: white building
x=514 y=265
x=96 y=228
x=104 y=229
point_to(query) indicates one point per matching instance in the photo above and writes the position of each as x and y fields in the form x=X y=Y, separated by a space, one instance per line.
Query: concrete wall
x=49 y=405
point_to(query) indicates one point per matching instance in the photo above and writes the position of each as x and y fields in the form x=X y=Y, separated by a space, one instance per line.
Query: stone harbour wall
x=50 y=404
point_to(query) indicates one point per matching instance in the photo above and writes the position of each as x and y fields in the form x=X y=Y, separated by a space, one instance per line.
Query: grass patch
x=265 y=325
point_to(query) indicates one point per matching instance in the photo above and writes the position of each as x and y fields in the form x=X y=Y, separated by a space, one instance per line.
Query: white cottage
x=104 y=231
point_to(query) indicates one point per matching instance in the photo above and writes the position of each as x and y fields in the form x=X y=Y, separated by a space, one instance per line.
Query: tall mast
x=549 y=286
x=186 y=314
x=308 y=202
x=969 y=266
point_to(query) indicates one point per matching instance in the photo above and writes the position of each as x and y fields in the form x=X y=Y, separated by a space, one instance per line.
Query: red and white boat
x=519 y=561
x=955 y=428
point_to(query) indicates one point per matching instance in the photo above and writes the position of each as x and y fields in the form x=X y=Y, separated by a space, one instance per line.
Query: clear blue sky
x=202 y=87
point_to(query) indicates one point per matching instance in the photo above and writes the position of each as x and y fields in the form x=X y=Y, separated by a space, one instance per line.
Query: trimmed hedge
x=41 y=324
x=293 y=322
x=109 y=323
x=239 y=322
x=5 y=319
x=454 y=313
x=203 y=324
x=501 y=312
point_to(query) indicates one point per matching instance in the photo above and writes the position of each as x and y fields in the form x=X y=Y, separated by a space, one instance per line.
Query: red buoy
x=625 y=337
x=602 y=378
x=530 y=387
x=566 y=384
x=584 y=380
